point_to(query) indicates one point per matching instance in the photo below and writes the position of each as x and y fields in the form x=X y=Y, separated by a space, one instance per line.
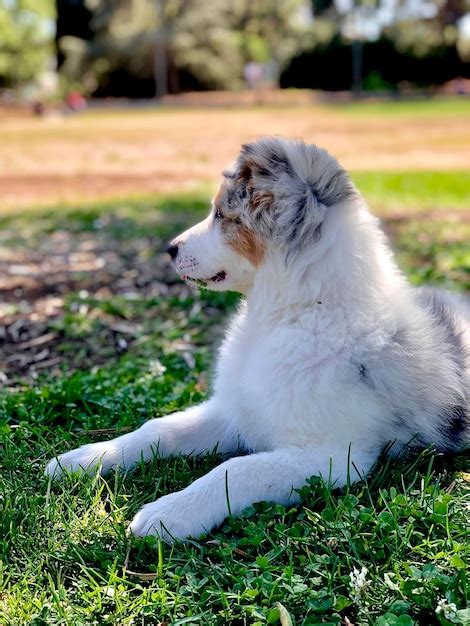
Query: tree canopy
x=26 y=35
x=213 y=41
x=210 y=44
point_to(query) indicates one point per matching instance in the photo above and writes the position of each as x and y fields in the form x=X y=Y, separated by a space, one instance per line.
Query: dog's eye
x=218 y=214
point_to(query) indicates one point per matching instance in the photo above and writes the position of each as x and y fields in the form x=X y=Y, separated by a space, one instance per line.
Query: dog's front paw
x=83 y=460
x=170 y=517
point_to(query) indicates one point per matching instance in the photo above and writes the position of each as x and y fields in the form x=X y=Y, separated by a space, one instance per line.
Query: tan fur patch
x=247 y=244
x=262 y=201
x=246 y=171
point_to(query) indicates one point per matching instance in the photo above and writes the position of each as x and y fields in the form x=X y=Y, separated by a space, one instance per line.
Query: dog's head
x=273 y=201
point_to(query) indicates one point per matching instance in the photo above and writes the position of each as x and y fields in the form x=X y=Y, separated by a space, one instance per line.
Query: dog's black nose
x=172 y=251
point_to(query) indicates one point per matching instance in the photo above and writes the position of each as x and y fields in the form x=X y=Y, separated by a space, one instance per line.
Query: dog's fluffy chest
x=281 y=379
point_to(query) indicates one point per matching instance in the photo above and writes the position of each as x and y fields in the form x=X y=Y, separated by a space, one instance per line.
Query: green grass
x=428 y=107
x=415 y=191
x=64 y=554
x=436 y=106
x=402 y=192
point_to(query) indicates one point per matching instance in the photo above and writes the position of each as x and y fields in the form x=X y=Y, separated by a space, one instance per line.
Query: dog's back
x=426 y=372
x=451 y=312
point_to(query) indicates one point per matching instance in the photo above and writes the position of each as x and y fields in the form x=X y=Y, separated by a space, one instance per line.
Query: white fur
x=287 y=387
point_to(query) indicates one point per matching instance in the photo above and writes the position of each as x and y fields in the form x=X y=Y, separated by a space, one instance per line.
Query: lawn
x=99 y=335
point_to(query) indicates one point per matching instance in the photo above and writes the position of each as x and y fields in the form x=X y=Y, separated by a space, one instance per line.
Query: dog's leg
x=198 y=429
x=237 y=483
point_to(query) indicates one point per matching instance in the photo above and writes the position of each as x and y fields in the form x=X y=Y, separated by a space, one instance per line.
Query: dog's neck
x=350 y=268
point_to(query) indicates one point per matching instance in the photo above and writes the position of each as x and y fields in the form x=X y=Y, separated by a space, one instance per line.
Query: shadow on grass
x=80 y=286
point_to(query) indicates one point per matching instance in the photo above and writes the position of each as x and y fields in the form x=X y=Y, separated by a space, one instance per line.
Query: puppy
x=332 y=354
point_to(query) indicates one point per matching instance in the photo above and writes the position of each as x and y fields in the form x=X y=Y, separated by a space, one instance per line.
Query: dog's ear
x=290 y=186
x=277 y=197
x=257 y=169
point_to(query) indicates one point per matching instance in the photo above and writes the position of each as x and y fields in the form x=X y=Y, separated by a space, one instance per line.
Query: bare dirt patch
x=35 y=285
x=109 y=154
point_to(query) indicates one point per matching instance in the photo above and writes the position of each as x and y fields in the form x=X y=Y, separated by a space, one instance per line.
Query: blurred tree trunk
x=357 y=50
x=173 y=77
x=160 y=65
x=73 y=18
x=160 y=61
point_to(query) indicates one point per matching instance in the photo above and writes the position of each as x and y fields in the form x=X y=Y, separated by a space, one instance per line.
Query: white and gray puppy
x=331 y=356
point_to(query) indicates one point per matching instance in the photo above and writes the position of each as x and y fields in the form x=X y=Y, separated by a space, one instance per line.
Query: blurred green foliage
x=26 y=33
x=194 y=44
x=207 y=45
x=211 y=41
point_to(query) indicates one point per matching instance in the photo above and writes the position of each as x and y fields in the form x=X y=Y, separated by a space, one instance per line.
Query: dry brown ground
x=108 y=154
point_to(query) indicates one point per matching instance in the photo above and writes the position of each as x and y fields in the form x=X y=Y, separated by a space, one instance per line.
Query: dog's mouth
x=200 y=282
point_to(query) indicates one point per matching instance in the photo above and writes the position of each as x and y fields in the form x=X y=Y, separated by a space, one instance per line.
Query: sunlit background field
x=130 y=151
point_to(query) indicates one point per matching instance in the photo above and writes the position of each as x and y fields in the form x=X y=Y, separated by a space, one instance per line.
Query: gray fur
x=440 y=305
x=311 y=184
x=425 y=377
